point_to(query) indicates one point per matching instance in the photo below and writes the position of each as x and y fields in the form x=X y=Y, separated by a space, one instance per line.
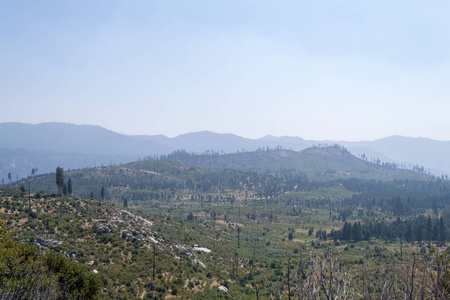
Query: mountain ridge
x=95 y=145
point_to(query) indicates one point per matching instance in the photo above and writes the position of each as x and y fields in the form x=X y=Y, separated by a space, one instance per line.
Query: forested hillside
x=47 y=145
x=270 y=224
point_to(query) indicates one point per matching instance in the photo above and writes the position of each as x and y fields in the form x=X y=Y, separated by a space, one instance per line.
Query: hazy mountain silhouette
x=431 y=154
x=48 y=145
x=69 y=138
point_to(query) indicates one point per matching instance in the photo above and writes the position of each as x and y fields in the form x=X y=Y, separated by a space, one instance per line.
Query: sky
x=322 y=70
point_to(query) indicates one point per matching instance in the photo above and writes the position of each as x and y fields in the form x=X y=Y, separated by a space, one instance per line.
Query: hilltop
x=47 y=145
x=317 y=163
x=266 y=173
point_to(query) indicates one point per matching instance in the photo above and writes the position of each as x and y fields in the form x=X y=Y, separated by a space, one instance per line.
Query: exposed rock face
x=130 y=226
x=46 y=243
x=185 y=250
x=198 y=263
x=136 y=219
x=203 y=249
x=223 y=288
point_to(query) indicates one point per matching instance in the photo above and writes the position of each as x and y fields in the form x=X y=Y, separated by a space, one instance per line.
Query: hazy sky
x=340 y=70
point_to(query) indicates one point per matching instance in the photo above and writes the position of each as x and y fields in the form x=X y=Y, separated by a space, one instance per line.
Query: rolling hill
x=318 y=163
x=265 y=173
x=47 y=145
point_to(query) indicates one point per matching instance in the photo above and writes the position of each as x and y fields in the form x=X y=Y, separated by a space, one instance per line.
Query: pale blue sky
x=339 y=70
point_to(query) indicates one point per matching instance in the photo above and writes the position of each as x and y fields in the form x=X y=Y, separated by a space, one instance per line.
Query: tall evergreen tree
x=64 y=189
x=435 y=209
x=419 y=233
x=69 y=186
x=436 y=231
x=356 y=232
x=102 y=193
x=59 y=179
x=409 y=234
x=347 y=232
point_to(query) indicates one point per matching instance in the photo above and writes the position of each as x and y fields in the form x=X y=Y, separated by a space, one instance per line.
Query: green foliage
x=69 y=186
x=255 y=220
x=74 y=279
x=59 y=179
x=26 y=274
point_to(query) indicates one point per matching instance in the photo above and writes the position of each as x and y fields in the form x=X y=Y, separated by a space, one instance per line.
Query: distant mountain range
x=47 y=145
x=255 y=171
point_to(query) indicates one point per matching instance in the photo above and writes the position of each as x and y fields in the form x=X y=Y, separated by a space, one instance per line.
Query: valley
x=272 y=224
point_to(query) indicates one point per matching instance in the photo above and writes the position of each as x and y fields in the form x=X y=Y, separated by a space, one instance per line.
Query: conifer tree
x=69 y=186
x=59 y=180
x=64 y=189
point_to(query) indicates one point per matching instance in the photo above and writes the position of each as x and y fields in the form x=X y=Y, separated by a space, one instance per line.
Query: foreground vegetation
x=28 y=274
x=166 y=229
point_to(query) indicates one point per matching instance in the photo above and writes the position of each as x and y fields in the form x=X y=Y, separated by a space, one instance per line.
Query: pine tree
x=356 y=232
x=64 y=189
x=347 y=232
x=69 y=186
x=419 y=233
x=59 y=179
x=409 y=234
x=102 y=193
x=435 y=210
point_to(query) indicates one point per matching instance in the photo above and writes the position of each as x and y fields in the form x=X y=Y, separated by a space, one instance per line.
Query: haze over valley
x=48 y=145
x=252 y=150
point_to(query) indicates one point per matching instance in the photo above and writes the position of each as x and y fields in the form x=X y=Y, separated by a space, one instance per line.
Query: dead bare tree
x=322 y=277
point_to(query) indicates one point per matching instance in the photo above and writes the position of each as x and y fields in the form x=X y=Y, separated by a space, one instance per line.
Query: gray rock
x=102 y=229
x=46 y=243
x=198 y=263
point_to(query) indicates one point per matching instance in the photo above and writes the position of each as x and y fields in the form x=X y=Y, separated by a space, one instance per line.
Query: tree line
x=418 y=229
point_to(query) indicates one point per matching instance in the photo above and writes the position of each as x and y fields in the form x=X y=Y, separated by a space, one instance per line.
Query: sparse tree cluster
x=63 y=187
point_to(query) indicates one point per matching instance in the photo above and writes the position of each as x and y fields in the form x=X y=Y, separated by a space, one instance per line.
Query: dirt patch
x=214 y=283
x=222 y=222
x=23 y=221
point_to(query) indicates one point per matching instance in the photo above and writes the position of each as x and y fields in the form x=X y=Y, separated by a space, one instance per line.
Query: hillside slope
x=318 y=163
x=133 y=257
